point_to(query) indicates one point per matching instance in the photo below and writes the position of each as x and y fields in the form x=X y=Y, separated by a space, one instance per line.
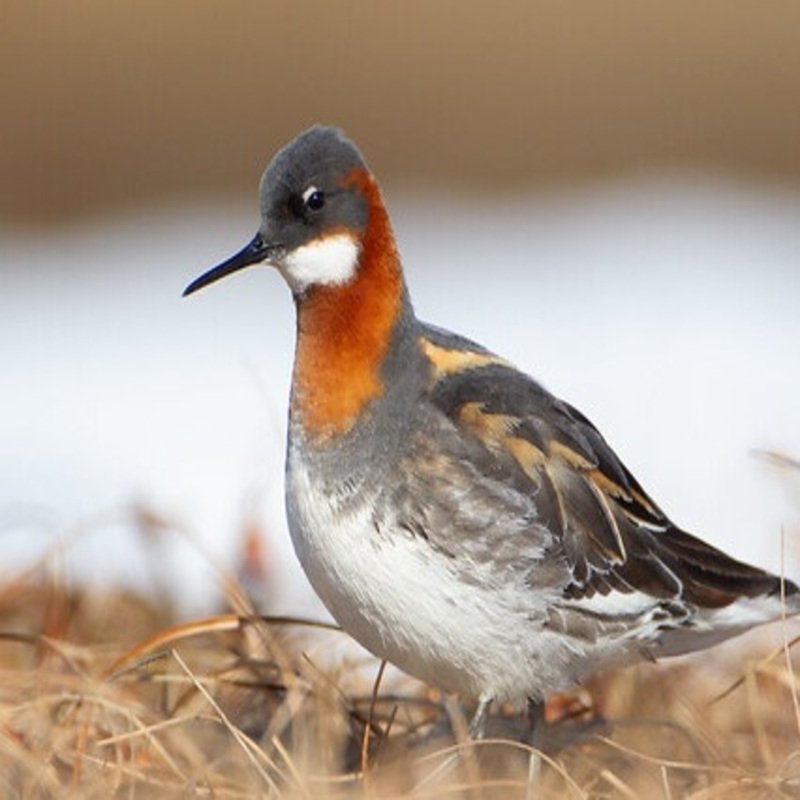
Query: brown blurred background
x=109 y=105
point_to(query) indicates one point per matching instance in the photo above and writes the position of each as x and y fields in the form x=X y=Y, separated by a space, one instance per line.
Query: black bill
x=252 y=253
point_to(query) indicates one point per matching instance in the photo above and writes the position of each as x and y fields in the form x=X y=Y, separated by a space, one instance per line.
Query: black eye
x=315 y=200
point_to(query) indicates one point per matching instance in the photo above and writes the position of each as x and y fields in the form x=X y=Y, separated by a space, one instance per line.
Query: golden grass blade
x=168 y=636
x=220 y=623
x=248 y=747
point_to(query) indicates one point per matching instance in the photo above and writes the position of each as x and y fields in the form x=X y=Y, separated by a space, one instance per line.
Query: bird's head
x=318 y=201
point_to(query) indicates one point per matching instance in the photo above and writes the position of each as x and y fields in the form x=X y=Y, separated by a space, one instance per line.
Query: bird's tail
x=709 y=626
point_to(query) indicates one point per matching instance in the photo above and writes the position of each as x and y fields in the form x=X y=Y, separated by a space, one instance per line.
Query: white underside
x=405 y=602
x=328 y=261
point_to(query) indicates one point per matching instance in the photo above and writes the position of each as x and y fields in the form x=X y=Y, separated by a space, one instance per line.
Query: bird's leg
x=536 y=723
x=536 y=733
x=478 y=722
x=475 y=732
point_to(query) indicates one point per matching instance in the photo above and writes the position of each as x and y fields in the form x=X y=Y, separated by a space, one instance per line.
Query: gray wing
x=529 y=475
x=472 y=508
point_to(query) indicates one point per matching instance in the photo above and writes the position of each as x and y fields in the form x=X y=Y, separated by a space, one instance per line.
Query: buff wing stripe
x=613 y=537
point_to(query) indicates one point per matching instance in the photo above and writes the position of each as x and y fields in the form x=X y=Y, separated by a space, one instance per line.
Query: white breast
x=404 y=601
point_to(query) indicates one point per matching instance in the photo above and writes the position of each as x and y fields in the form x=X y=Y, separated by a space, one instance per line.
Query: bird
x=456 y=518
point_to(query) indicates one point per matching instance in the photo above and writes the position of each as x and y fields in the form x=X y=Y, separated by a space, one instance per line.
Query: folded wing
x=611 y=536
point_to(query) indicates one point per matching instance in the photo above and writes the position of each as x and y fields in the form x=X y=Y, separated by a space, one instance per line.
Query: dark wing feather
x=612 y=535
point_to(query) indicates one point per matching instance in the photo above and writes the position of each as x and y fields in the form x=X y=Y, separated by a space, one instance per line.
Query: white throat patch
x=328 y=261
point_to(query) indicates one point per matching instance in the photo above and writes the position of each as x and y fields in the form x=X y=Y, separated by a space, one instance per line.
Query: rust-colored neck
x=344 y=332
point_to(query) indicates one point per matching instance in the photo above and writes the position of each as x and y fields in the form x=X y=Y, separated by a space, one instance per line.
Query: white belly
x=405 y=602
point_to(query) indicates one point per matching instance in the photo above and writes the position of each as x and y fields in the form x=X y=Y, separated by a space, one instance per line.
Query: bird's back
x=494 y=538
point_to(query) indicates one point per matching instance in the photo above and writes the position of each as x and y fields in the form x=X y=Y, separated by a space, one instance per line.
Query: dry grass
x=103 y=695
x=235 y=708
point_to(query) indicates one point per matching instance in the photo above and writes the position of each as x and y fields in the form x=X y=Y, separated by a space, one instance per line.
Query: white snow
x=667 y=310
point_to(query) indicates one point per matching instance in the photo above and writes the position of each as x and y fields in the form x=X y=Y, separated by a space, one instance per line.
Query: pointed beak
x=254 y=252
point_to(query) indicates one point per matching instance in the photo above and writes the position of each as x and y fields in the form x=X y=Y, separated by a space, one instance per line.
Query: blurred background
x=606 y=193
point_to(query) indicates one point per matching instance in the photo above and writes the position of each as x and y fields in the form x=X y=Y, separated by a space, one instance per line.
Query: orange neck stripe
x=344 y=332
